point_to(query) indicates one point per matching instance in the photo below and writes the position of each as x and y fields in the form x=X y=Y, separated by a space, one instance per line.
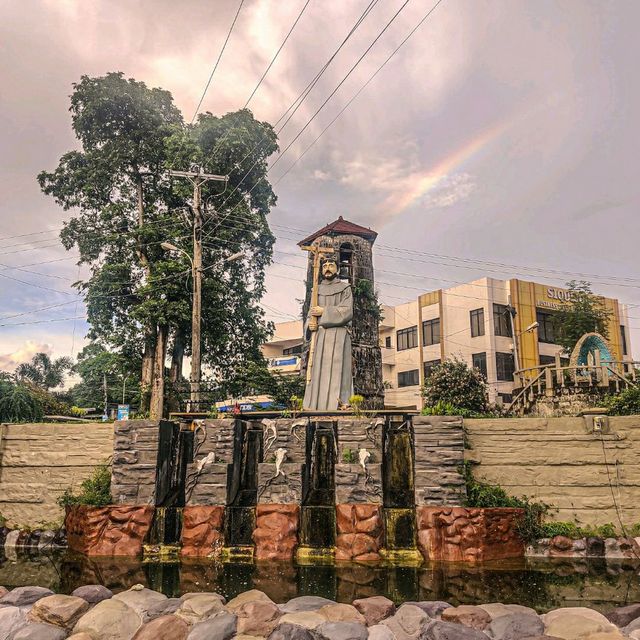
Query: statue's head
x=329 y=269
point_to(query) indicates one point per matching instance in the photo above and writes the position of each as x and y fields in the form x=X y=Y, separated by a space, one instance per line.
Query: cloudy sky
x=501 y=140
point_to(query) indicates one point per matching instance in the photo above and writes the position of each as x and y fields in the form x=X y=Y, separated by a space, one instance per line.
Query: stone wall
x=562 y=462
x=39 y=461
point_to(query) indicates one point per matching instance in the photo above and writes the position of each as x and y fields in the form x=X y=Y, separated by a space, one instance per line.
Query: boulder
x=305 y=603
x=3 y=591
x=572 y=626
x=257 y=617
x=11 y=619
x=165 y=628
x=140 y=599
x=166 y=608
x=39 y=631
x=24 y=596
x=222 y=626
x=287 y=631
x=622 y=616
x=199 y=607
x=407 y=623
x=341 y=613
x=93 y=593
x=433 y=608
x=63 y=611
x=342 y=631
x=440 y=630
x=515 y=626
x=380 y=632
x=375 y=609
x=583 y=612
x=606 y=635
x=468 y=615
x=253 y=595
x=306 y=619
x=634 y=625
x=110 y=620
x=193 y=594
x=497 y=609
x=81 y=636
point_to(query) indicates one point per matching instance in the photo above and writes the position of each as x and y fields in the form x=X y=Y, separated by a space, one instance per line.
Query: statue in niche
x=328 y=328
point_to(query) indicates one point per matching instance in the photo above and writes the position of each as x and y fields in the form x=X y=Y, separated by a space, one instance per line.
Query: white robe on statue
x=331 y=381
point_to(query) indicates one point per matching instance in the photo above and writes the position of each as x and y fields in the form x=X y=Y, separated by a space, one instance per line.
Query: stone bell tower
x=353 y=247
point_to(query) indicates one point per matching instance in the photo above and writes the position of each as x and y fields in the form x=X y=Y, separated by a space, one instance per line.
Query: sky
x=501 y=140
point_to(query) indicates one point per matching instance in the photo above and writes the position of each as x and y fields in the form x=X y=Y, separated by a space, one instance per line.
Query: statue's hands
x=316 y=312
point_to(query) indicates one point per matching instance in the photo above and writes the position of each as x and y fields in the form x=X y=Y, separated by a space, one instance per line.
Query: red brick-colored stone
x=276 y=532
x=115 y=530
x=458 y=534
x=359 y=535
x=202 y=533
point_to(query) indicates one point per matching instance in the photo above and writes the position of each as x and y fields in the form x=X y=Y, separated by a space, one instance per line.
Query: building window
x=506 y=398
x=428 y=366
x=387 y=342
x=346 y=261
x=546 y=360
x=477 y=322
x=504 y=367
x=290 y=351
x=623 y=340
x=431 y=332
x=407 y=338
x=480 y=362
x=408 y=378
x=546 y=331
x=502 y=320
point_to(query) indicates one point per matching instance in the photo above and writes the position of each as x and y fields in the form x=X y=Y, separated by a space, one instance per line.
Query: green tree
x=17 y=402
x=585 y=313
x=125 y=205
x=456 y=384
x=43 y=371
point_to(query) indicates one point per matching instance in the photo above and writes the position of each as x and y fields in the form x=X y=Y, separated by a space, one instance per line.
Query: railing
x=550 y=380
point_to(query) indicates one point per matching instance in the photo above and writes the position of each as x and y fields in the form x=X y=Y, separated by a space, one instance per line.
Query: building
x=472 y=322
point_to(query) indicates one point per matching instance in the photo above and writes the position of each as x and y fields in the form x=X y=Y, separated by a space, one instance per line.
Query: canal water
x=541 y=584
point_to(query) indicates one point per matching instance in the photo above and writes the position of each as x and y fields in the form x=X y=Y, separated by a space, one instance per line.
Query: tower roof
x=341 y=227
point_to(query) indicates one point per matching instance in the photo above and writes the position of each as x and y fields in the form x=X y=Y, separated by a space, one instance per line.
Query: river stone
x=93 y=593
x=164 y=627
x=3 y=591
x=222 y=626
x=199 y=608
x=307 y=619
x=253 y=595
x=193 y=594
x=81 y=636
x=432 y=608
x=622 y=616
x=63 y=611
x=583 y=612
x=606 y=635
x=468 y=615
x=110 y=620
x=24 y=596
x=11 y=619
x=287 y=631
x=166 y=608
x=257 y=617
x=39 y=631
x=634 y=635
x=341 y=613
x=634 y=625
x=305 y=603
x=342 y=631
x=140 y=599
x=440 y=630
x=515 y=626
x=380 y=632
x=573 y=626
x=375 y=609
x=407 y=623
x=497 y=609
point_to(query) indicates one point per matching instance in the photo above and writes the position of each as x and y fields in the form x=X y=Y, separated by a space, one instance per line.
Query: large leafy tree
x=584 y=313
x=44 y=372
x=125 y=204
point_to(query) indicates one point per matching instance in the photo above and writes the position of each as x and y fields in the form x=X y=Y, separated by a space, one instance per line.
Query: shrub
x=95 y=491
x=626 y=403
x=18 y=404
x=348 y=456
x=453 y=383
x=356 y=404
x=566 y=529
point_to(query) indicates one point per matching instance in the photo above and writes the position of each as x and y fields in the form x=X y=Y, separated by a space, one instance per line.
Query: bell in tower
x=352 y=247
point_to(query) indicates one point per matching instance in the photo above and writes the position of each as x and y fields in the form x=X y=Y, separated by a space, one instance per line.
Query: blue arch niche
x=587 y=346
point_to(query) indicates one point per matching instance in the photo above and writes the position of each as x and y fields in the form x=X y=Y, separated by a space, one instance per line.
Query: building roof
x=341 y=227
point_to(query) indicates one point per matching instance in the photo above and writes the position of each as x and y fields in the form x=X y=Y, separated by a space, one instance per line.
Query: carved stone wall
x=359 y=532
x=202 y=531
x=276 y=532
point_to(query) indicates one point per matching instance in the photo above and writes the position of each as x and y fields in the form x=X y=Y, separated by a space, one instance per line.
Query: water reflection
x=542 y=584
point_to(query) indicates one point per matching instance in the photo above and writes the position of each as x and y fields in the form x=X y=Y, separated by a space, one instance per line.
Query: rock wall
x=202 y=531
x=562 y=462
x=359 y=532
x=276 y=532
x=39 y=461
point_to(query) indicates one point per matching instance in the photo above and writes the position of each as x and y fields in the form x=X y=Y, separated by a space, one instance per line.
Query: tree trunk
x=156 y=408
x=147 y=368
x=177 y=356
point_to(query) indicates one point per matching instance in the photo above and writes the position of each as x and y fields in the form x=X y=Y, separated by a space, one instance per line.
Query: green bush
x=95 y=491
x=567 y=529
x=454 y=384
x=348 y=456
x=18 y=403
x=626 y=403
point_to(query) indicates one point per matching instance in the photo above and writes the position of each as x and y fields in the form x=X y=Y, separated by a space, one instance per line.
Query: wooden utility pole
x=197 y=179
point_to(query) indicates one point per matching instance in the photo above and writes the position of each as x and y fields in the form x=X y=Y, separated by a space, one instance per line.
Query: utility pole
x=197 y=179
